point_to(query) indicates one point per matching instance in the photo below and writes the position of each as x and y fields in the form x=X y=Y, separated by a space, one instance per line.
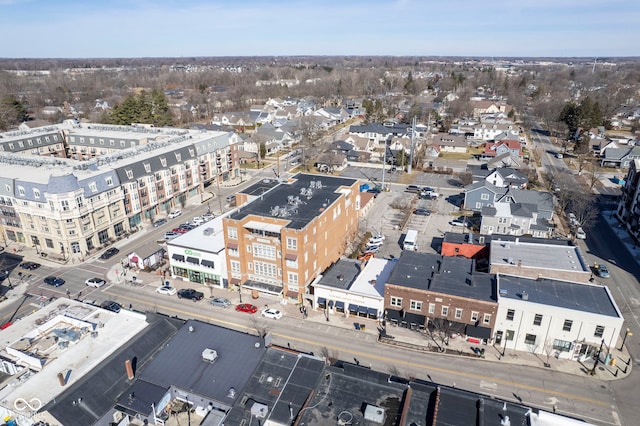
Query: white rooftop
x=374 y=275
x=535 y=255
x=65 y=337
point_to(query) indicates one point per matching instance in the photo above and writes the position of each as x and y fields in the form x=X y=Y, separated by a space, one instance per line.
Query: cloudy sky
x=176 y=28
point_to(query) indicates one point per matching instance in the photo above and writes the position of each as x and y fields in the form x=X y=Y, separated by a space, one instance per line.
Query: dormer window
x=147 y=167
x=163 y=161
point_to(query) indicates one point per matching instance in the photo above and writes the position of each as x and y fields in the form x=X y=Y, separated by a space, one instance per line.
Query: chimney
x=129 y=368
x=61 y=379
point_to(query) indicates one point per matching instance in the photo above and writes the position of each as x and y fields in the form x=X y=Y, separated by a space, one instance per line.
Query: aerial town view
x=233 y=215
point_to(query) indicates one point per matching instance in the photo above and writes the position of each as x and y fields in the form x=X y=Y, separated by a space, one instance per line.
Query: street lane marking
x=474 y=376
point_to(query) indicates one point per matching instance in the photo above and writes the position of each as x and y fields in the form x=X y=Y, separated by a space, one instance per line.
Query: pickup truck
x=429 y=195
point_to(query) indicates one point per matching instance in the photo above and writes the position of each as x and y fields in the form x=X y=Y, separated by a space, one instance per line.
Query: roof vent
x=259 y=410
x=374 y=414
x=525 y=295
x=208 y=231
x=341 y=277
x=209 y=355
x=231 y=393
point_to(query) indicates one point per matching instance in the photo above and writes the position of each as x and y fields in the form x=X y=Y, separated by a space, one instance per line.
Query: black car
x=112 y=251
x=30 y=265
x=54 y=281
x=110 y=305
x=189 y=293
x=422 y=212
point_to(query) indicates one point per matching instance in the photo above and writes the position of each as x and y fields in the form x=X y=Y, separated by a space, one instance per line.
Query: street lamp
x=624 y=339
x=595 y=364
x=240 y=293
x=9 y=279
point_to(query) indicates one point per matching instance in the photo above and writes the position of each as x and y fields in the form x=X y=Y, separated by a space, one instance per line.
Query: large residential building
x=119 y=177
x=280 y=238
x=628 y=211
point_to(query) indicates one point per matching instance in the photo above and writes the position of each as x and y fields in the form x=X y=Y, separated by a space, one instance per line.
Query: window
x=109 y=181
x=486 y=319
x=65 y=205
x=511 y=314
x=21 y=191
x=561 y=345
x=530 y=339
x=292 y=278
x=537 y=320
x=232 y=233
x=458 y=313
x=129 y=174
x=484 y=197
x=292 y=243
x=265 y=269
x=509 y=335
x=396 y=301
x=432 y=308
x=567 y=325
x=415 y=305
x=263 y=250
x=445 y=311
x=36 y=193
x=79 y=201
x=599 y=331
x=475 y=316
x=235 y=266
x=147 y=167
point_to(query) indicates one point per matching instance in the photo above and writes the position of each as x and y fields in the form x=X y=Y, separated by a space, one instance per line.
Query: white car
x=208 y=216
x=376 y=240
x=169 y=291
x=459 y=221
x=198 y=220
x=95 y=282
x=271 y=313
x=174 y=213
x=580 y=234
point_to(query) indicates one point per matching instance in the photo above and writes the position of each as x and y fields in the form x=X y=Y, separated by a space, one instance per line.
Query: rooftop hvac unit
x=209 y=355
x=208 y=231
x=374 y=414
x=259 y=410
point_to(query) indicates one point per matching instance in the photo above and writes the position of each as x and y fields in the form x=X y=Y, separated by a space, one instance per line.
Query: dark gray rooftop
x=283 y=379
x=448 y=275
x=342 y=274
x=104 y=385
x=300 y=209
x=580 y=297
x=180 y=363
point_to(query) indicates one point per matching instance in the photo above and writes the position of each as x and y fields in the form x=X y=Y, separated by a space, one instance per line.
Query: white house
x=556 y=319
x=351 y=287
x=199 y=255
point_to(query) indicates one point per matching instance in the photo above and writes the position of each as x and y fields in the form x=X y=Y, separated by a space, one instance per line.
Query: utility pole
x=413 y=135
x=595 y=364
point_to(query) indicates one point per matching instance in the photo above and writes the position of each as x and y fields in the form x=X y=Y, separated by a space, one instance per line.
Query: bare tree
x=595 y=173
x=583 y=205
x=548 y=351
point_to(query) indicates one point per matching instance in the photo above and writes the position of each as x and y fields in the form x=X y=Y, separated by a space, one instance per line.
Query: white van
x=410 y=240
x=580 y=234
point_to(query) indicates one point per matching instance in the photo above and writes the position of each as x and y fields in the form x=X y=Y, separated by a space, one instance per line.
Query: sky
x=189 y=28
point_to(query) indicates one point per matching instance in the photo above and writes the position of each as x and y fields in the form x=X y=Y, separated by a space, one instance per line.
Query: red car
x=247 y=307
x=179 y=230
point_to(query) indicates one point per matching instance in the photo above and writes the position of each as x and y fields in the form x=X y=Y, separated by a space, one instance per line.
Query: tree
x=148 y=108
x=12 y=112
x=466 y=178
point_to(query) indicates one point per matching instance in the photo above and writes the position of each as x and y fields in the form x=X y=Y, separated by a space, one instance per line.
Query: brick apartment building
x=282 y=236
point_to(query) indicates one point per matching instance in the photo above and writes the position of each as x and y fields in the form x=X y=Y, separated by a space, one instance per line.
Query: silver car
x=220 y=301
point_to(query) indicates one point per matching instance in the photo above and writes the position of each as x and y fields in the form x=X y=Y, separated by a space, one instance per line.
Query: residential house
x=506 y=160
x=481 y=107
x=513 y=218
x=281 y=237
x=450 y=143
x=443 y=294
x=360 y=143
x=331 y=161
x=489 y=132
x=333 y=115
x=484 y=194
x=619 y=157
x=239 y=120
x=379 y=133
x=494 y=149
x=506 y=177
x=554 y=318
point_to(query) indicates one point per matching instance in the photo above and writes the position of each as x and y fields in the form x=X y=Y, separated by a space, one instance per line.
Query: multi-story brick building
x=444 y=294
x=70 y=207
x=281 y=237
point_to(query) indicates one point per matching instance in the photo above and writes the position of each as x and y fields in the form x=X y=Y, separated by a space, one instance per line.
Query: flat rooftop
x=569 y=295
x=67 y=337
x=537 y=256
x=298 y=201
x=208 y=237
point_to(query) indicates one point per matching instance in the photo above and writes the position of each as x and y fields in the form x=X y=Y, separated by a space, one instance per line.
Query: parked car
x=180 y=230
x=375 y=191
x=231 y=199
x=186 y=226
x=159 y=222
x=271 y=313
x=220 y=301
x=54 y=281
x=110 y=252
x=422 y=212
x=247 y=307
x=174 y=214
x=601 y=270
x=110 y=305
x=95 y=282
x=170 y=235
x=30 y=265
x=371 y=249
x=412 y=188
x=459 y=221
x=166 y=290
x=580 y=234
x=366 y=256
x=189 y=293
x=377 y=239
x=208 y=216
x=197 y=221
